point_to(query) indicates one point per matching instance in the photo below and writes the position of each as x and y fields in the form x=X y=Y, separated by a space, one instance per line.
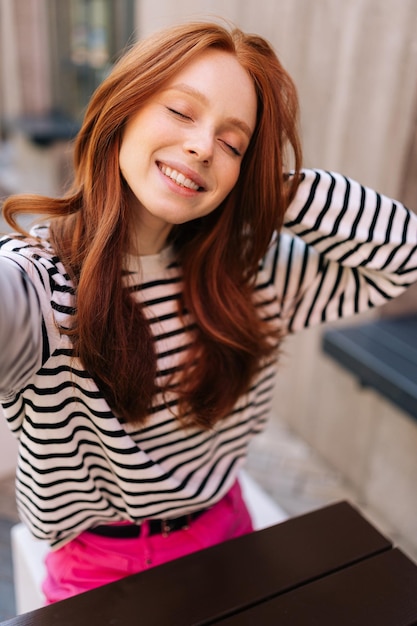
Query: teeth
x=179 y=178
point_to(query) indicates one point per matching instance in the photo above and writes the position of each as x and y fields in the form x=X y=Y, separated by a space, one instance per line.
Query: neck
x=149 y=233
x=146 y=241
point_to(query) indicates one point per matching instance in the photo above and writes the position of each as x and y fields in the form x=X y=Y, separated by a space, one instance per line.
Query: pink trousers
x=89 y=560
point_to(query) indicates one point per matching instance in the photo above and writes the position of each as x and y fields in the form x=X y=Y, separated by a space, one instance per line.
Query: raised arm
x=20 y=329
x=353 y=249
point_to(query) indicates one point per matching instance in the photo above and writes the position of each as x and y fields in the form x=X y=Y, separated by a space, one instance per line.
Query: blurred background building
x=53 y=56
x=355 y=65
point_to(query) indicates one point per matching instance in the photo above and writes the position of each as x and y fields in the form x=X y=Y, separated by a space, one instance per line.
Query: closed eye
x=179 y=114
x=234 y=150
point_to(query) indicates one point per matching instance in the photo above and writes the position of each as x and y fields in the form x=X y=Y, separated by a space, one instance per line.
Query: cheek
x=230 y=178
x=227 y=182
x=126 y=157
x=131 y=157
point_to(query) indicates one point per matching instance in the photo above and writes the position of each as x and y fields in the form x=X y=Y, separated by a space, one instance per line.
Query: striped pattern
x=79 y=465
x=22 y=340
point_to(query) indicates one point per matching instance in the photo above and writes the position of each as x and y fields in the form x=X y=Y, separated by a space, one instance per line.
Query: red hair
x=219 y=253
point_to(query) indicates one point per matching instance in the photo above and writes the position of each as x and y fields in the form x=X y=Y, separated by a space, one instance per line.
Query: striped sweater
x=344 y=249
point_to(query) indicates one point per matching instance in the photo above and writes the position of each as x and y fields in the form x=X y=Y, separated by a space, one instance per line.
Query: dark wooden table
x=328 y=567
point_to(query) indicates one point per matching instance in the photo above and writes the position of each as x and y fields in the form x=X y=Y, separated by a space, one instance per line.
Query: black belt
x=156 y=527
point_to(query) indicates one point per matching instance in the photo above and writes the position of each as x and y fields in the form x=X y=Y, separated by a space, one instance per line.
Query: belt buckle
x=166 y=528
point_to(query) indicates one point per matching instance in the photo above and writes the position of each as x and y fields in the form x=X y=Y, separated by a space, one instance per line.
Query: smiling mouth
x=178 y=178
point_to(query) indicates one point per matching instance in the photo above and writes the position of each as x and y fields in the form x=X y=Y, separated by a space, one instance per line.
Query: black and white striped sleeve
x=353 y=249
x=20 y=328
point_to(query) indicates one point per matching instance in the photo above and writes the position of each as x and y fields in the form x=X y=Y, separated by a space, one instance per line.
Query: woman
x=140 y=326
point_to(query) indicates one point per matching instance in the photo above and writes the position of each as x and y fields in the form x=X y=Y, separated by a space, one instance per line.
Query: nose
x=200 y=144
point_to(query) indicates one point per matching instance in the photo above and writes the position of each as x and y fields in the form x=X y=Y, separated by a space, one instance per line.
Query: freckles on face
x=181 y=153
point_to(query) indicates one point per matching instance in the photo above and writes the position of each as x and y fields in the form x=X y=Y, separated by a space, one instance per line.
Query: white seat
x=263 y=509
x=29 y=569
x=29 y=553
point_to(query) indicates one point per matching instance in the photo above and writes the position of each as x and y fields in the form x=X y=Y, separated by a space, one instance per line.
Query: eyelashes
x=234 y=150
x=179 y=114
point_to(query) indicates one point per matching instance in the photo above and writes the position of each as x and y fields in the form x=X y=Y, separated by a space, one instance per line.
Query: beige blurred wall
x=24 y=60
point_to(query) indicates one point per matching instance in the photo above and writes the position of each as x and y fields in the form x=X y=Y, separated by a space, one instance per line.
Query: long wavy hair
x=219 y=254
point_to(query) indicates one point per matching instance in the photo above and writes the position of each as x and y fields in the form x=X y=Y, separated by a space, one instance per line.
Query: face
x=181 y=153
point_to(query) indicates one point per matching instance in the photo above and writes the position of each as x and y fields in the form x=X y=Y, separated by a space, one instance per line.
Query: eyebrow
x=198 y=95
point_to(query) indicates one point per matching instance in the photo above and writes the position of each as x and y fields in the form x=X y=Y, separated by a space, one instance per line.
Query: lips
x=184 y=178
